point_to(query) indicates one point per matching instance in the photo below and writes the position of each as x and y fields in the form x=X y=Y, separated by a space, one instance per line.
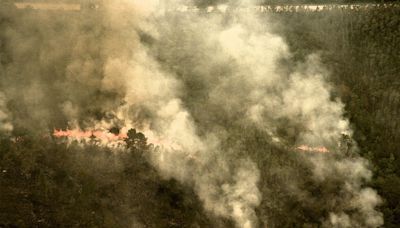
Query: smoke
x=5 y=124
x=189 y=80
x=237 y=63
x=228 y=189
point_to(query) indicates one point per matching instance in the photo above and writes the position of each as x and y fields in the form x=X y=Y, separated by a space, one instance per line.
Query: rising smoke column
x=228 y=189
x=235 y=62
x=186 y=79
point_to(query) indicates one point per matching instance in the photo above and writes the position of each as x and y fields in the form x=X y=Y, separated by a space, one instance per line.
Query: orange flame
x=79 y=134
x=305 y=148
x=108 y=137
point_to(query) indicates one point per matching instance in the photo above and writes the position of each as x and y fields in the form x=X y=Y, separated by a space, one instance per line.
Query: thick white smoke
x=227 y=188
x=256 y=90
x=184 y=80
x=301 y=97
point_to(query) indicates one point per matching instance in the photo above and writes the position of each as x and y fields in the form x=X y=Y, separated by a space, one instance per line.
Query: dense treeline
x=361 y=48
x=45 y=182
x=295 y=2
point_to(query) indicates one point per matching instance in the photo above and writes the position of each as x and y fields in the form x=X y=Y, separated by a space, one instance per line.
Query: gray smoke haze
x=5 y=124
x=237 y=65
x=186 y=81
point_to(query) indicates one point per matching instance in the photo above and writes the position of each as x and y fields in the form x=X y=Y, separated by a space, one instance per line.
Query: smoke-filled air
x=131 y=113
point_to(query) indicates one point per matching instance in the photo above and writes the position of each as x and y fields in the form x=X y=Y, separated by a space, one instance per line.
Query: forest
x=362 y=50
x=52 y=69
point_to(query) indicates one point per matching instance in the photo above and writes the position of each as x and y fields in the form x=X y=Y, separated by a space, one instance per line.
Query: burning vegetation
x=79 y=134
x=305 y=148
x=195 y=117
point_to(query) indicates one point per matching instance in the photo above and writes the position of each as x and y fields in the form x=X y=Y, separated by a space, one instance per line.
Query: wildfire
x=108 y=138
x=305 y=148
x=79 y=134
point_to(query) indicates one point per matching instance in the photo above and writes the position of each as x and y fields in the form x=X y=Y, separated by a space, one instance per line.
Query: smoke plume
x=190 y=80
